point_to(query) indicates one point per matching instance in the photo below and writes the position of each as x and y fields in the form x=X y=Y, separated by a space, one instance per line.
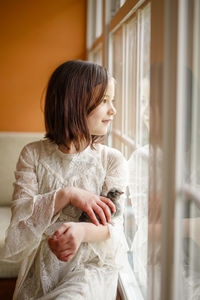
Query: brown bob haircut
x=70 y=98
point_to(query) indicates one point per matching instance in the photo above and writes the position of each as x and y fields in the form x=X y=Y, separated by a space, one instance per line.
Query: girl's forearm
x=62 y=199
x=86 y=201
x=93 y=233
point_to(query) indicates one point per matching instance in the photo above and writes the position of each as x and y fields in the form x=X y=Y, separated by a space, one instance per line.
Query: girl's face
x=100 y=118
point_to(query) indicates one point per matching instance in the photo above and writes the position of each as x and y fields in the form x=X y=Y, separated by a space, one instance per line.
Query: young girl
x=59 y=177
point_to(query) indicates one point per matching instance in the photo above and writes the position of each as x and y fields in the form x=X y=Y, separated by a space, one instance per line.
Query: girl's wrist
x=93 y=233
x=82 y=232
x=67 y=195
x=63 y=198
x=83 y=229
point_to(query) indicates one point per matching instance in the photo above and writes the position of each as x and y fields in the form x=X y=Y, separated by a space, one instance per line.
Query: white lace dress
x=42 y=170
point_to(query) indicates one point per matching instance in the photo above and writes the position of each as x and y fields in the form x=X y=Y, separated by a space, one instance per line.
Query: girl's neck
x=72 y=149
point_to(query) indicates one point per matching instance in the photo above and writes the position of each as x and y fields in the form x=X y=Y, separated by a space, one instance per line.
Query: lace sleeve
x=32 y=212
x=116 y=245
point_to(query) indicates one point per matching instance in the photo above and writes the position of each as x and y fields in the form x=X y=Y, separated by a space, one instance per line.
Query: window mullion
x=123 y=95
x=138 y=82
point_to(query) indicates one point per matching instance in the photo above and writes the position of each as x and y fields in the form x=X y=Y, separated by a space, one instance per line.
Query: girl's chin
x=100 y=133
x=103 y=130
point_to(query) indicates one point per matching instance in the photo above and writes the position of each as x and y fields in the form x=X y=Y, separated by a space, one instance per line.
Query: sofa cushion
x=7 y=270
x=11 y=144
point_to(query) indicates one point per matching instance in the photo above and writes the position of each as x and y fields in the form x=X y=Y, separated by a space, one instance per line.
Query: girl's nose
x=112 y=110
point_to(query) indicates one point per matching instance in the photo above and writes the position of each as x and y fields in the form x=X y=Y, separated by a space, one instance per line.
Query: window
x=128 y=49
x=131 y=68
x=94 y=25
x=152 y=48
x=187 y=262
x=96 y=55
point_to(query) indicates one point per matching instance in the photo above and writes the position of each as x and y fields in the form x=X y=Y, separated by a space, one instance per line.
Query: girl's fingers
x=108 y=202
x=102 y=208
x=58 y=239
x=63 y=228
x=66 y=258
x=61 y=250
x=99 y=211
x=64 y=254
x=92 y=216
x=59 y=244
x=106 y=210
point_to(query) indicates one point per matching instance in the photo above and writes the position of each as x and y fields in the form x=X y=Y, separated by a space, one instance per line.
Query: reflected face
x=99 y=119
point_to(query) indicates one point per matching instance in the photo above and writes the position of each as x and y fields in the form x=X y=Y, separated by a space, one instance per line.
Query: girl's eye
x=105 y=100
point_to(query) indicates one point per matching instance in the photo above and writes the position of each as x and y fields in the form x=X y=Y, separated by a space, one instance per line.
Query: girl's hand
x=66 y=240
x=91 y=203
x=86 y=201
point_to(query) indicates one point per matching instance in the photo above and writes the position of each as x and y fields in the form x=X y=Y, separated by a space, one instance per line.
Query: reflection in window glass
x=138 y=173
x=94 y=21
x=191 y=238
x=99 y=11
x=188 y=201
x=131 y=64
x=139 y=160
x=195 y=130
x=144 y=76
x=190 y=272
x=96 y=55
x=115 y=6
x=118 y=73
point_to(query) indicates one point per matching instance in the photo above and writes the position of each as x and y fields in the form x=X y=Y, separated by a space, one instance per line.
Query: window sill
x=128 y=285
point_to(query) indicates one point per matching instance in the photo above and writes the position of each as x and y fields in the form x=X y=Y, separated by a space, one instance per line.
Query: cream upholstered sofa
x=11 y=145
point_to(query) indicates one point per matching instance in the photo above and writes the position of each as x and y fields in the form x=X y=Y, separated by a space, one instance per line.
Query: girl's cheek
x=99 y=112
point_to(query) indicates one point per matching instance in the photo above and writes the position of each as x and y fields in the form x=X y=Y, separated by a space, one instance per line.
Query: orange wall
x=35 y=37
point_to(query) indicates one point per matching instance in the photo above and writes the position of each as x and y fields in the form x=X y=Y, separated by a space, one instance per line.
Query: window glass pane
x=115 y=6
x=191 y=234
x=187 y=259
x=139 y=160
x=144 y=75
x=118 y=73
x=96 y=55
x=131 y=81
x=94 y=20
x=138 y=173
x=195 y=129
x=90 y=23
x=131 y=63
x=195 y=143
x=99 y=11
x=190 y=249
